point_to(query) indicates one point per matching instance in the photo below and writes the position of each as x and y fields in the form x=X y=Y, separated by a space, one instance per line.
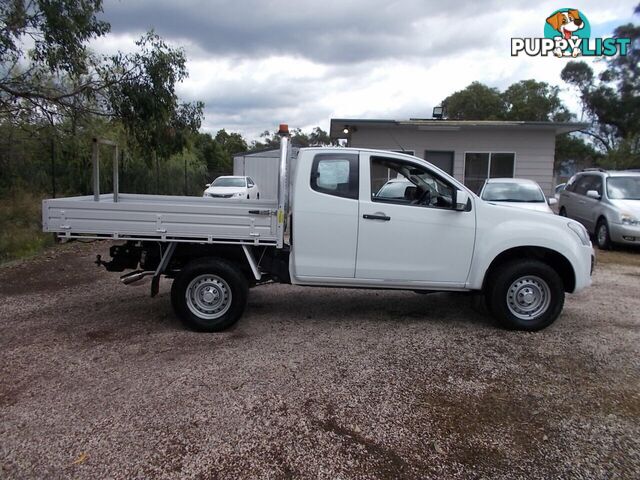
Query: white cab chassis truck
x=334 y=226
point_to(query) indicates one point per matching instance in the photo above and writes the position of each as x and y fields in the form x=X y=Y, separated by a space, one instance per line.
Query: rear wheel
x=603 y=239
x=525 y=295
x=209 y=295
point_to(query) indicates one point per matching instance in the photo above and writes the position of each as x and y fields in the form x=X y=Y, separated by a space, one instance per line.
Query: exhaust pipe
x=136 y=276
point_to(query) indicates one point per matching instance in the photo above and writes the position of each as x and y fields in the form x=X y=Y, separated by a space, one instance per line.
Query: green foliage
x=611 y=100
x=316 y=138
x=475 y=102
x=570 y=148
x=20 y=225
x=527 y=100
x=58 y=28
x=534 y=101
x=145 y=100
x=59 y=72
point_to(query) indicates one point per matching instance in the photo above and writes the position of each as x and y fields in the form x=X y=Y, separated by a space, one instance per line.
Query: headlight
x=238 y=195
x=629 y=220
x=581 y=232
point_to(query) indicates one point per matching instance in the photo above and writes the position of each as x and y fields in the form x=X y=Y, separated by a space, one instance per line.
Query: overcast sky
x=259 y=63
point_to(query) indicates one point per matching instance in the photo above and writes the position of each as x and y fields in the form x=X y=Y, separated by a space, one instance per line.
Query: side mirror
x=593 y=194
x=462 y=198
x=207 y=185
x=552 y=201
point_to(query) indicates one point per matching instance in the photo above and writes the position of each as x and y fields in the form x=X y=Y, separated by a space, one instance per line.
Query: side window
x=335 y=174
x=596 y=185
x=250 y=182
x=582 y=184
x=571 y=184
x=396 y=181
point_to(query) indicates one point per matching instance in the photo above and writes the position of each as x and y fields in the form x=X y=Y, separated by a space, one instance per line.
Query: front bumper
x=627 y=234
x=584 y=268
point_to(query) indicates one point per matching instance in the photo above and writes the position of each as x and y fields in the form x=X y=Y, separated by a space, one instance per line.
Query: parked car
x=556 y=191
x=232 y=187
x=419 y=189
x=607 y=203
x=516 y=192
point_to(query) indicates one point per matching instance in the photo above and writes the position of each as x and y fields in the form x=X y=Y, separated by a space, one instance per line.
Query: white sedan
x=517 y=192
x=232 y=187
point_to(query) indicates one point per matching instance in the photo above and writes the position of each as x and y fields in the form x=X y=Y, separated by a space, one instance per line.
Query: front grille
x=221 y=195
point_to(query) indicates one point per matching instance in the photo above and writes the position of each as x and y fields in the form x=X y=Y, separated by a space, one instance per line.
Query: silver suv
x=607 y=203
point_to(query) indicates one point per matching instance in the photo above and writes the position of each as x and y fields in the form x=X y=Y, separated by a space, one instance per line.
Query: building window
x=441 y=159
x=480 y=166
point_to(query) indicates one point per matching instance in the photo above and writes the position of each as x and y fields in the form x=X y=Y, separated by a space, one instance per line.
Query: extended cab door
x=408 y=229
x=325 y=215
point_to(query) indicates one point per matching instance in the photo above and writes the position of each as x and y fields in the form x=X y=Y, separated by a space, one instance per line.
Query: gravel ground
x=100 y=381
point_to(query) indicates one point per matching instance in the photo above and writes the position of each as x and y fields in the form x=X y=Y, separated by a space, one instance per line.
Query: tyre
x=563 y=212
x=257 y=196
x=603 y=239
x=525 y=295
x=209 y=294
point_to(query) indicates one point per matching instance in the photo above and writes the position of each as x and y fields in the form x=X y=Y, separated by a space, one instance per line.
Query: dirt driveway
x=98 y=380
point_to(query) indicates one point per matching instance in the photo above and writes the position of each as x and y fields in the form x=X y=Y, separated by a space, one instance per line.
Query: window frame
x=490 y=153
x=434 y=174
x=353 y=191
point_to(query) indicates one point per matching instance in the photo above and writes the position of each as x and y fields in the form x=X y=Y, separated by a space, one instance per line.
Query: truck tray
x=162 y=218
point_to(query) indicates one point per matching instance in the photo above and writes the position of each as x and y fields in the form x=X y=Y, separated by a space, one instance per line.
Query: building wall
x=534 y=149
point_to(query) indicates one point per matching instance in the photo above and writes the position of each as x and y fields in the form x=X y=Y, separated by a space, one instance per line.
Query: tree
x=534 y=101
x=527 y=100
x=475 y=102
x=232 y=143
x=316 y=138
x=611 y=100
x=145 y=99
x=59 y=72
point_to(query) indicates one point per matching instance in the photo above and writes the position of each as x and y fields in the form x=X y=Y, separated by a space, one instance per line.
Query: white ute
x=328 y=228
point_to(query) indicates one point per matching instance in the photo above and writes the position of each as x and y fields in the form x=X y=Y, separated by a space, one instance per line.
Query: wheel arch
x=554 y=259
x=189 y=253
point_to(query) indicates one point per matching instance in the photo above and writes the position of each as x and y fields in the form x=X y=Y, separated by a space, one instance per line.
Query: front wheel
x=525 y=295
x=563 y=212
x=209 y=294
x=603 y=239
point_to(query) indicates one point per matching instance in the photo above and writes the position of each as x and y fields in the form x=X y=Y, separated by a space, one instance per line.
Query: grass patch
x=21 y=226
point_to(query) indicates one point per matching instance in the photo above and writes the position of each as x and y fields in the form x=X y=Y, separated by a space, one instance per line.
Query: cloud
x=257 y=63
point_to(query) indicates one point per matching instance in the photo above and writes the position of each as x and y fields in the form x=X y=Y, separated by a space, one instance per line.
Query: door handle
x=384 y=218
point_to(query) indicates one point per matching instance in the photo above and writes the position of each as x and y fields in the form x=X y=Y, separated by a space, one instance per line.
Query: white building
x=471 y=151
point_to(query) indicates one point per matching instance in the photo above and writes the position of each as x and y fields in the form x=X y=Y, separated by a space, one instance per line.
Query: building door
x=441 y=159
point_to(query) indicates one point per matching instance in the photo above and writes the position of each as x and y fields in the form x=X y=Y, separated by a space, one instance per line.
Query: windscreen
x=512 y=192
x=228 y=182
x=623 y=188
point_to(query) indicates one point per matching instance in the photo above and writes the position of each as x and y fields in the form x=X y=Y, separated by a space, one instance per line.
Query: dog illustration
x=566 y=23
